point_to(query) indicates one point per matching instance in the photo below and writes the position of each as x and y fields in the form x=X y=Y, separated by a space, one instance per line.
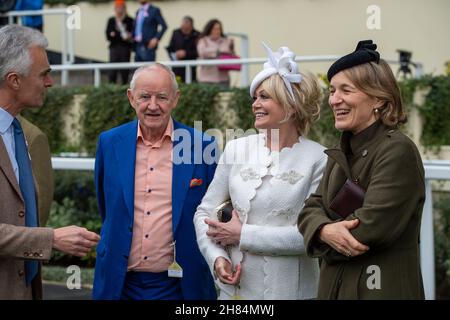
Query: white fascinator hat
x=281 y=62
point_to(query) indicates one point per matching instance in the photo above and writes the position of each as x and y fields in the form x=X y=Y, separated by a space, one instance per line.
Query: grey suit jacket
x=17 y=242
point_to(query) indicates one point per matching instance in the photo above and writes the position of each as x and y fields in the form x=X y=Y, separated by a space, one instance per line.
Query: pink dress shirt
x=151 y=247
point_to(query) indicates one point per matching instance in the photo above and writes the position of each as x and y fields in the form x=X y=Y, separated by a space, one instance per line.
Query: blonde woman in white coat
x=267 y=176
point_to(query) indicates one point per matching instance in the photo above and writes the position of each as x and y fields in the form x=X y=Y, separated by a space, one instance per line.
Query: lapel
x=338 y=156
x=6 y=167
x=125 y=152
x=181 y=178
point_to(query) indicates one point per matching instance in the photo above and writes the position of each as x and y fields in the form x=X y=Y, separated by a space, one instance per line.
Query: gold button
x=21 y=273
x=21 y=214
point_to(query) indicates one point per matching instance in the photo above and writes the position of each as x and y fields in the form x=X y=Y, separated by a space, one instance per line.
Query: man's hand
x=338 y=236
x=225 y=233
x=74 y=240
x=153 y=43
x=225 y=273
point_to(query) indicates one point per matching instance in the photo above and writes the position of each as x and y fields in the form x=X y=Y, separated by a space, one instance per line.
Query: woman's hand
x=225 y=233
x=224 y=271
x=338 y=236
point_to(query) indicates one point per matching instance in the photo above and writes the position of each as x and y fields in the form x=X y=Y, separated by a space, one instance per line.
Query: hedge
x=107 y=106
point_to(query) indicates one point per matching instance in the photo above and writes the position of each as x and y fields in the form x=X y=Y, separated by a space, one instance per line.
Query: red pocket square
x=195 y=183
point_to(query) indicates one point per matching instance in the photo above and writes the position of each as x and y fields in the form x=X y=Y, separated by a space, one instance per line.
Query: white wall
x=306 y=26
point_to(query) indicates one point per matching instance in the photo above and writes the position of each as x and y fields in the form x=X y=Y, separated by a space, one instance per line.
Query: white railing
x=68 y=49
x=434 y=170
x=68 y=54
x=97 y=67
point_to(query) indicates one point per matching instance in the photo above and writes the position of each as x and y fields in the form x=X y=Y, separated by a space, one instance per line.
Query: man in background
x=183 y=46
x=149 y=28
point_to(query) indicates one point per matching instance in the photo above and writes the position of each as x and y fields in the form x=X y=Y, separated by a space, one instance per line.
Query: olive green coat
x=388 y=166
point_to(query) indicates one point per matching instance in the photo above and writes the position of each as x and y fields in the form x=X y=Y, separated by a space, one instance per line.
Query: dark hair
x=189 y=18
x=209 y=26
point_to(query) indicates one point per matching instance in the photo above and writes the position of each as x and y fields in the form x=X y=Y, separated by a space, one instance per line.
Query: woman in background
x=211 y=45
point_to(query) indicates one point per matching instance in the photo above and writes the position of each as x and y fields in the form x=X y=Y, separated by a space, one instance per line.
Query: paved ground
x=60 y=292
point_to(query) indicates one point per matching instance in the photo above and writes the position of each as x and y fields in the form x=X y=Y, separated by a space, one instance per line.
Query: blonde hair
x=378 y=81
x=308 y=99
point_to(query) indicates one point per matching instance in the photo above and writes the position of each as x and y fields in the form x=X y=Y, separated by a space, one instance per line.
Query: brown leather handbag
x=348 y=199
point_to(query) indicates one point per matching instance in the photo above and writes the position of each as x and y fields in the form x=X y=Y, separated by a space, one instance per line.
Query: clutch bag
x=348 y=199
x=225 y=211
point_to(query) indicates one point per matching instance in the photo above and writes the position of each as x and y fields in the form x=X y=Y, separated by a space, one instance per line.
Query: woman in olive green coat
x=373 y=253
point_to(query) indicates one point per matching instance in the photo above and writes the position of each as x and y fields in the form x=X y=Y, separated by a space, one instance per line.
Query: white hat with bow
x=281 y=62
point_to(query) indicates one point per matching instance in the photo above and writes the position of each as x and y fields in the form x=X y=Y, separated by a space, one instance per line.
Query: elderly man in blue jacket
x=150 y=176
x=149 y=28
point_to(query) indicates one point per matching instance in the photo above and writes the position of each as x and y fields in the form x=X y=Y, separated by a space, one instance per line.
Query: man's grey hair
x=152 y=66
x=15 y=41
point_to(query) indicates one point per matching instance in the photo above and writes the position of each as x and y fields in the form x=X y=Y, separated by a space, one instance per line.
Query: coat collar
x=354 y=144
x=351 y=145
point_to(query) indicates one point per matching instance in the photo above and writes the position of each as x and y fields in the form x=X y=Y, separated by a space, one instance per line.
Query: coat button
x=21 y=214
x=364 y=153
x=21 y=273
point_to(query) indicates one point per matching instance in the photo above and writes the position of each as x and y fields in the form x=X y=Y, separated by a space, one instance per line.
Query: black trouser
x=181 y=72
x=119 y=53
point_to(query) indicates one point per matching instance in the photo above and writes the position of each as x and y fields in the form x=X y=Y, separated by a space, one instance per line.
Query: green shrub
x=108 y=106
x=74 y=204
x=104 y=108
x=197 y=103
x=442 y=244
x=49 y=117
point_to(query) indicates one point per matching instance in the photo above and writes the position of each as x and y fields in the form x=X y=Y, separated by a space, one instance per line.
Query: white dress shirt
x=7 y=134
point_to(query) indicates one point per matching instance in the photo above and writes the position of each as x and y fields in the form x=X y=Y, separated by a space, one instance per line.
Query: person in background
x=211 y=45
x=149 y=28
x=119 y=31
x=35 y=22
x=183 y=46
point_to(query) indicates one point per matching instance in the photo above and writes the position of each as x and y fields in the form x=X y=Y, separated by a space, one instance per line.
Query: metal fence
x=434 y=170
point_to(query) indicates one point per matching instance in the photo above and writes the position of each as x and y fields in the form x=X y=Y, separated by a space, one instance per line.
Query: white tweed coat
x=268 y=190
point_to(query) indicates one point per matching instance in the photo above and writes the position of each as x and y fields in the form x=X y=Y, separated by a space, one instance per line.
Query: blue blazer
x=151 y=23
x=114 y=182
